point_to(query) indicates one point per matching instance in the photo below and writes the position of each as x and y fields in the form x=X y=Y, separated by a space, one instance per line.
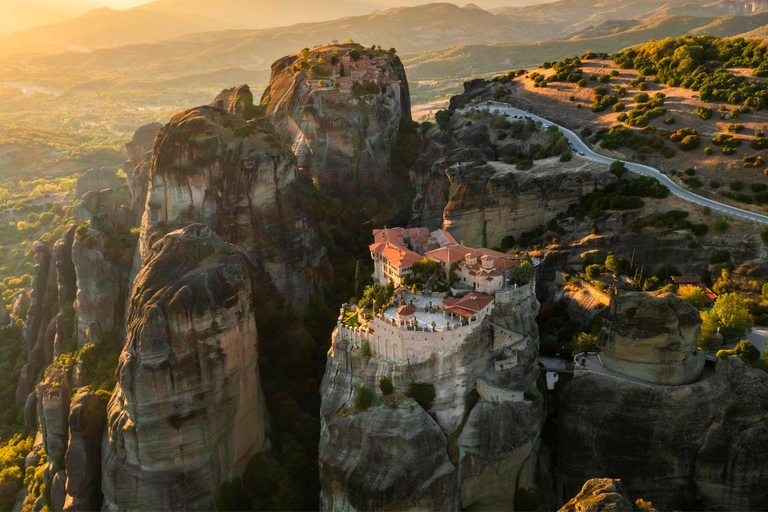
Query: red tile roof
x=468 y=305
x=396 y=256
x=406 y=310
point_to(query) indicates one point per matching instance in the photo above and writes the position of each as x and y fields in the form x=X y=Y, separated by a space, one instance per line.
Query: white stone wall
x=516 y=295
x=395 y=343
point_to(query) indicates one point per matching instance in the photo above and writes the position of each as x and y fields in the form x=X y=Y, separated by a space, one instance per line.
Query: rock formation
x=652 y=338
x=102 y=256
x=67 y=291
x=94 y=202
x=212 y=167
x=700 y=445
x=41 y=326
x=494 y=201
x=96 y=180
x=138 y=165
x=600 y=495
x=20 y=305
x=187 y=413
x=342 y=134
x=481 y=419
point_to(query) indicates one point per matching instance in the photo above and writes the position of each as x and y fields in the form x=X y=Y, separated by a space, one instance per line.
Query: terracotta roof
x=471 y=303
x=395 y=255
x=450 y=254
x=443 y=238
x=406 y=310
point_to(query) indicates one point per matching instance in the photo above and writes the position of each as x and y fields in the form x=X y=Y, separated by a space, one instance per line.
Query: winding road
x=582 y=149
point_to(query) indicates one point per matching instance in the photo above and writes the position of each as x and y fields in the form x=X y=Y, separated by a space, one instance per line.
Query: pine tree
x=358 y=281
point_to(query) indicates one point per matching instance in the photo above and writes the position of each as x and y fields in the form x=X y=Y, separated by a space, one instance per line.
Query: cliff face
x=495 y=200
x=138 y=165
x=471 y=447
x=342 y=130
x=698 y=445
x=212 y=167
x=187 y=413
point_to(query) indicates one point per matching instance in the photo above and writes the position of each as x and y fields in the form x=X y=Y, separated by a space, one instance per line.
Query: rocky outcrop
x=494 y=201
x=489 y=424
x=67 y=291
x=96 y=180
x=187 y=413
x=53 y=399
x=102 y=256
x=212 y=167
x=20 y=305
x=5 y=317
x=138 y=165
x=359 y=471
x=600 y=495
x=94 y=202
x=702 y=445
x=653 y=338
x=237 y=101
x=41 y=326
x=87 y=417
x=341 y=135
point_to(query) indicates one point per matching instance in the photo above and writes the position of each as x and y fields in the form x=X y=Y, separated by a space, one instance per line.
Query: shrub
x=708 y=151
x=759 y=143
x=690 y=143
x=363 y=399
x=592 y=272
x=618 y=107
x=735 y=128
x=704 y=113
x=669 y=120
x=385 y=385
x=423 y=393
x=736 y=186
x=764 y=235
x=642 y=97
x=720 y=256
x=713 y=184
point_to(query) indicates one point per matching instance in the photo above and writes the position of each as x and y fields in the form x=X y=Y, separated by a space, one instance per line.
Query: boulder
x=237 y=101
x=96 y=180
x=187 y=413
x=653 y=338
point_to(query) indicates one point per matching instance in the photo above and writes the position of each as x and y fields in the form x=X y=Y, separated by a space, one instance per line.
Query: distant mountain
x=109 y=27
x=469 y=60
x=409 y=29
x=18 y=15
x=566 y=17
x=265 y=13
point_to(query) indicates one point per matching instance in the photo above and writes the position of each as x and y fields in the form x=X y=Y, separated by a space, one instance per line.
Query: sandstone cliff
x=478 y=435
x=493 y=201
x=138 y=165
x=212 y=167
x=698 y=445
x=187 y=413
x=341 y=131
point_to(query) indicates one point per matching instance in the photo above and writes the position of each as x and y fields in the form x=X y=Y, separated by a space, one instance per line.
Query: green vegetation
x=423 y=393
x=700 y=64
x=730 y=315
x=625 y=195
x=385 y=385
x=748 y=353
x=13 y=454
x=694 y=295
x=363 y=399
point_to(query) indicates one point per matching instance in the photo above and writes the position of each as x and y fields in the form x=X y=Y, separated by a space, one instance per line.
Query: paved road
x=580 y=147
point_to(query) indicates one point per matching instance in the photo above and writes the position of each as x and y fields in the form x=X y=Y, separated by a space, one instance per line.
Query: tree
x=613 y=264
x=363 y=399
x=593 y=272
x=694 y=295
x=385 y=384
x=358 y=281
x=730 y=314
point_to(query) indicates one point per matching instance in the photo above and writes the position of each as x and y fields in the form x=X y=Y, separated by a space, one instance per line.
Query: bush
x=385 y=385
x=720 y=256
x=423 y=393
x=618 y=107
x=736 y=186
x=735 y=128
x=669 y=120
x=690 y=143
x=642 y=97
x=363 y=399
x=708 y=151
x=759 y=143
x=592 y=272
x=704 y=113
